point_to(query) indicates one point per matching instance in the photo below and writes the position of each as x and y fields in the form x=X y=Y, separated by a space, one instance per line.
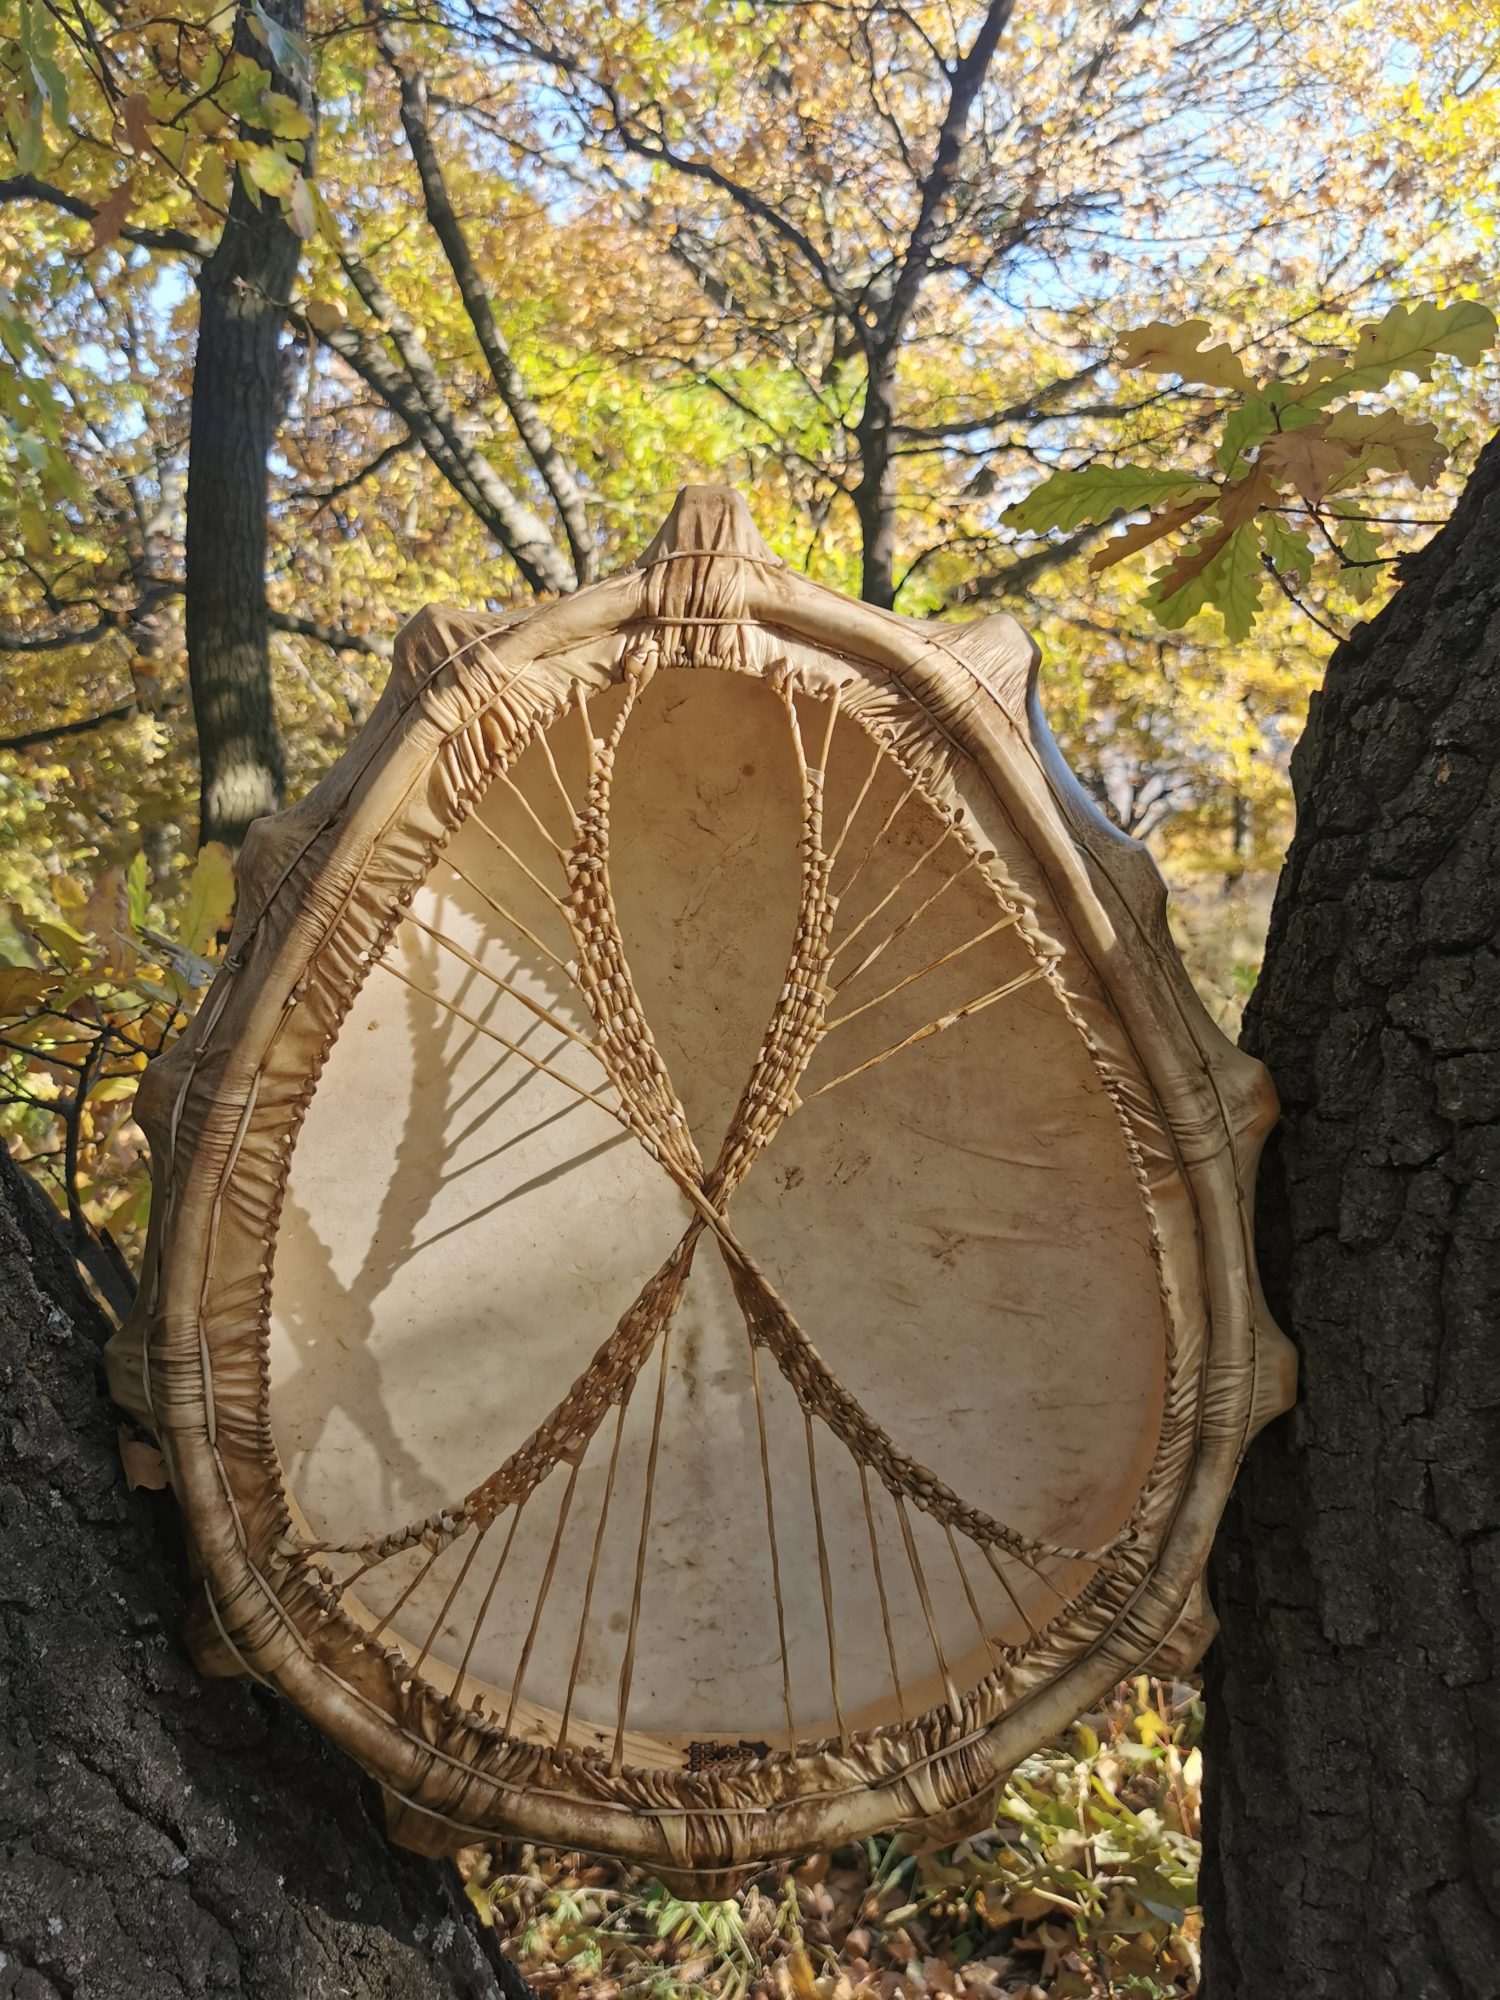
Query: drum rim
x=817 y=1796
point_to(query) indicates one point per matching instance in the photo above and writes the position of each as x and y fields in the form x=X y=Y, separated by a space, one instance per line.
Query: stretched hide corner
x=700 y=1301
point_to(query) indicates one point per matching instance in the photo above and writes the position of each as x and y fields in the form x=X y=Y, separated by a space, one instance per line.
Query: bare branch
x=556 y=473
x=414 y=392
x=54 y=642
x=966 y=77
x=27 y=187
x=31 y=738
x=327 y=635
x=1017 y=577
x=1035 y=408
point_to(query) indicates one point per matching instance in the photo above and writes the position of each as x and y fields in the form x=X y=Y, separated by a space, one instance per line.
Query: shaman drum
x=701 y=1299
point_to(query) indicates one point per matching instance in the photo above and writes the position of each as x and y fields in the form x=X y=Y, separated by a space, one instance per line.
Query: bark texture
x=243 y=293
x=164 y=1837
x=1353 y=1753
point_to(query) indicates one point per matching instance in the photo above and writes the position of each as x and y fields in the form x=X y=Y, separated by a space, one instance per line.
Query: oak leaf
x=135 y=117
x=1393 y=442
x=1095 y=492
x=1162 y=349
x=1223 y=571
x=110 y=216
x=1309 y=460
x=1144 y=533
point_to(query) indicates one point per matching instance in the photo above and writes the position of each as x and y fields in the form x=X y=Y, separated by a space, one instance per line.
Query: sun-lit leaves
x=1286 y=446
x=1224 y=570
x=92 y=992
x=1172 y=184
x=1096 y=492
x=1409 y=340
x=1161 y=349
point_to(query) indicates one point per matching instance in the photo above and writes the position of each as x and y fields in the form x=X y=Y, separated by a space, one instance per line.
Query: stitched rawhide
x=700 y=1301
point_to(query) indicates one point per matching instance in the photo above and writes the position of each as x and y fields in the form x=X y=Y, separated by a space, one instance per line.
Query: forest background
x=527 y=268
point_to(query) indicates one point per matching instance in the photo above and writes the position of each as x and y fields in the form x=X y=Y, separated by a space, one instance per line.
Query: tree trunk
x=1353 y=1752
x=875 y=493
x=164 y=1837
x=243 y=291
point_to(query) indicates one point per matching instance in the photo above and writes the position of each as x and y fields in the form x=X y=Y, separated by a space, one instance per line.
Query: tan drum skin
x=701 y=1299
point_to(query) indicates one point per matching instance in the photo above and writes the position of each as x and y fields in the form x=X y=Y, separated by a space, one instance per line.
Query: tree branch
x=416 y=395
x=965 y=80
x=648 y=145
x=54 y=642
x=557 y=475
x=32 y=737
x=328 y=635
x=1032 y=409
x=27 y=187
x=323 y=494
x=1017 y=577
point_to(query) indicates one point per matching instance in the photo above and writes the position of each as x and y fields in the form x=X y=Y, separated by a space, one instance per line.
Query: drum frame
x=321 y=889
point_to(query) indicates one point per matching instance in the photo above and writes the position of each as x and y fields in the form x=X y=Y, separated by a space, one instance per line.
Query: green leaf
x=1244 y=427
x=1361 y=547
x=283 y=117
x=243 y=88
x=136 y=891
x=1288 y=549
x=1095 y=492
x=1163 y=349
x=271 y=171
x=1223 y=572
x=1410 y=338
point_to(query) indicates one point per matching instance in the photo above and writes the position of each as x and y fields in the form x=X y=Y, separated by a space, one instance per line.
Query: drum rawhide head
x=700 y=1301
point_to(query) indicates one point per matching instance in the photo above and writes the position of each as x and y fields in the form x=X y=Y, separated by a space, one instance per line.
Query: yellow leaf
x=1162 y=349
x=212 y=184
x=800 y=1974
x=271 y=171
x=210 y=897
x=299 y=209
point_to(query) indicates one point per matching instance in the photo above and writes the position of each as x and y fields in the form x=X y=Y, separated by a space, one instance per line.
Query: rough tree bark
x=1353 y=1753
x=164 y=1837
x=243 y=292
